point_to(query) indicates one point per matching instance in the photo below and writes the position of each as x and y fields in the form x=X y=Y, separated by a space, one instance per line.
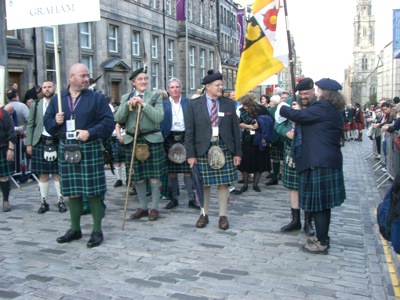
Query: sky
x=323 y=33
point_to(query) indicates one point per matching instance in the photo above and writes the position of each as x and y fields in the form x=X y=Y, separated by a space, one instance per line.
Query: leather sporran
x=177 y=153
x=72 y=153
x=50 y=153
x=216 y=158
x=142 y=152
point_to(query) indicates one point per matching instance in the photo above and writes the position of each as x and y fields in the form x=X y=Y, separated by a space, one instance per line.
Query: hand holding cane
x=131 y=164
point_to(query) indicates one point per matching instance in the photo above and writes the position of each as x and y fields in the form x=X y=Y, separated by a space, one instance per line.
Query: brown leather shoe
x=202 y=221
x=140 y=213
x=153 y=215
x=223 y=223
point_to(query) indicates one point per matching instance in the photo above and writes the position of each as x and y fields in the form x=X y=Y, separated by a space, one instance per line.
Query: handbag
x=396 y=142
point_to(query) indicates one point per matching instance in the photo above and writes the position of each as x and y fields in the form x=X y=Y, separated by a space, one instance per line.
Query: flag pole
x=292 y=79
x=57 y=62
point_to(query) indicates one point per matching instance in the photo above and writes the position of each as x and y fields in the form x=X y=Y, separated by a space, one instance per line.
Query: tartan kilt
x=118 y=151
x=353 y=125
x=276 y=151
x=6 y=167
x=360 y=126
x=41 y=166
x=321 y=188
x=226 y=175
x=154 y=167
x=290 y=178
x=346 y=126
x=86 y=178
x=174 y=167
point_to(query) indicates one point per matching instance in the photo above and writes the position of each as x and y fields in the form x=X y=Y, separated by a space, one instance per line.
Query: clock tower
x=363 y=79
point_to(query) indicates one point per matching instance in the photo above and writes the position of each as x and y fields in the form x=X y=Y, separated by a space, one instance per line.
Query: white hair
x=276 y=99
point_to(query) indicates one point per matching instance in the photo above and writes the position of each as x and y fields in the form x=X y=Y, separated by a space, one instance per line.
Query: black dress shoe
x=95 y=239
x=69 y=236
x=244 y=189
x=193 y=204
x=133 y=191
x=236 y=192
x=272 y=182
x=118 y=183
x=172 y=204
x=256 y=188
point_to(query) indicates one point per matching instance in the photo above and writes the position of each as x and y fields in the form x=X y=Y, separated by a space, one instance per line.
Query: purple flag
x=241 y=33
x=180 y=10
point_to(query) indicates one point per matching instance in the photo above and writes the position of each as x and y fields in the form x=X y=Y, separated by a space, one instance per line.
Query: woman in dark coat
x=319 y=160
x=254 y=159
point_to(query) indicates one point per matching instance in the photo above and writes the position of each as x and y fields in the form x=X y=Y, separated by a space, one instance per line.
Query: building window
x=203 y=63
x=50 y=66
x=364 y=64
x=190 y=9
x=171 y=71
x=210 y=17
x=192 y=67
x=154 y=3
x=170 y=50
x=154 y=76
x=87 y=60
x=211 y=61
x=49 y=36
x=12 y=34
x=168 y=7
x=136 y=64
x=136 y=43
x=201 y=12
x=85 y=32
x=154 y=47
x=113 y=39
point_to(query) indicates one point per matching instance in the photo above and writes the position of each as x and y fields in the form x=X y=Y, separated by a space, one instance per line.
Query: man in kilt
x=84 y=122
x=212 y=121
x=8 y=139
x=149 y=141
x=118 y=152
x=288 y=131
x=173 y=131
x=43 y=148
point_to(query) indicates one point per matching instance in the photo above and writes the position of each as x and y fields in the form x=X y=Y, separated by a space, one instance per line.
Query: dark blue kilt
x=174 y=167
x=118 y=151
x=5 y=166
x=290 y=177
x=321 y=188
x=87 y=177
x=154 y=167
x=41 y=166
x=226 y=175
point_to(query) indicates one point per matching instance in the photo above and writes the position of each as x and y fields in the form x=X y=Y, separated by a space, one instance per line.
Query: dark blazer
x=321 y=128
x=166 y=124
x=199 y=131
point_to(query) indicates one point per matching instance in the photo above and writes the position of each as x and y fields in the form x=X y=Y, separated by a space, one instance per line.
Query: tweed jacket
x=198 y=127
x=322 y=128
x=166 y=124
x=150 y=117
x=33 y=133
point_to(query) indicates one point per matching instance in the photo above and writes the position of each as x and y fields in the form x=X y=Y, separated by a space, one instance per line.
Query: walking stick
x=131 y=165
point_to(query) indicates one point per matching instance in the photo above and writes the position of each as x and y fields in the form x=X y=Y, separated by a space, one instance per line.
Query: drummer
x=173 y=131
x=149 y=163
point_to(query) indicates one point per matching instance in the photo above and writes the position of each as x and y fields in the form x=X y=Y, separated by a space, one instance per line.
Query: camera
x=71 y=135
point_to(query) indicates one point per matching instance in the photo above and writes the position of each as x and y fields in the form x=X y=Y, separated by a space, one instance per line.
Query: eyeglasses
x=217 y=85
x=142 y=79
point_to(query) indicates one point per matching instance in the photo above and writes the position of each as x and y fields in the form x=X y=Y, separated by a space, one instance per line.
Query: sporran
x=216 y=158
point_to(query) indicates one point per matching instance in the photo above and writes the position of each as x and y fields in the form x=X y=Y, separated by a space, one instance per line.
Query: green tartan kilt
x=41 y=166
x=154 y=167
x=118 y=151
x=290 y=178
x=321 y=188
x=226 y=175
x=6 y=167
x=174 y=167
x=276 y=151
x=86 y=178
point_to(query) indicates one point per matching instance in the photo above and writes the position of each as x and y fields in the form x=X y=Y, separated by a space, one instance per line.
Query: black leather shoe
x=236 y=192
x=172 y=204
x=256 y=188
x=272 y=182
x=133 y=191
x=95 y=239
x=118 y=183
x=70 y=236
x=244 y=189
x=193 y=204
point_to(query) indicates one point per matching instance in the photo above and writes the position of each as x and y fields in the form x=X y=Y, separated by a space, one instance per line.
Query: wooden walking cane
x=131 y=165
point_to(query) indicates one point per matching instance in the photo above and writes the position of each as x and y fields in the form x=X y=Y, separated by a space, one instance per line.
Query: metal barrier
x=392 y=163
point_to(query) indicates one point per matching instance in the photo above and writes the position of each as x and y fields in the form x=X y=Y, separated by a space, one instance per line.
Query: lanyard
x=71 y=106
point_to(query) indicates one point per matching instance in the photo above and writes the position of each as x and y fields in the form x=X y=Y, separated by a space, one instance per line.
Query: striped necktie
x=214 y=113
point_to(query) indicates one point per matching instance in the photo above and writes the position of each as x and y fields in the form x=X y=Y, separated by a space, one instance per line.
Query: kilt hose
x=41 y=166
x=86 y=178
x=175 y=167
x=118 y=151
x=276 y=151
x=290 y=177
x=154 y=167
x=321 y=188
x=6 y=167
x=226 y=175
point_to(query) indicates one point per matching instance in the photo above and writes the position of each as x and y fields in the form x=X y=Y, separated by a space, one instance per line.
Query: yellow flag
x=257 y=62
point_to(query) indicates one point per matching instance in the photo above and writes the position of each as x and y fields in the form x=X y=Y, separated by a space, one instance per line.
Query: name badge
x=221 y=114
x=71 y=125
x=252 y=132
x=215 y=131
